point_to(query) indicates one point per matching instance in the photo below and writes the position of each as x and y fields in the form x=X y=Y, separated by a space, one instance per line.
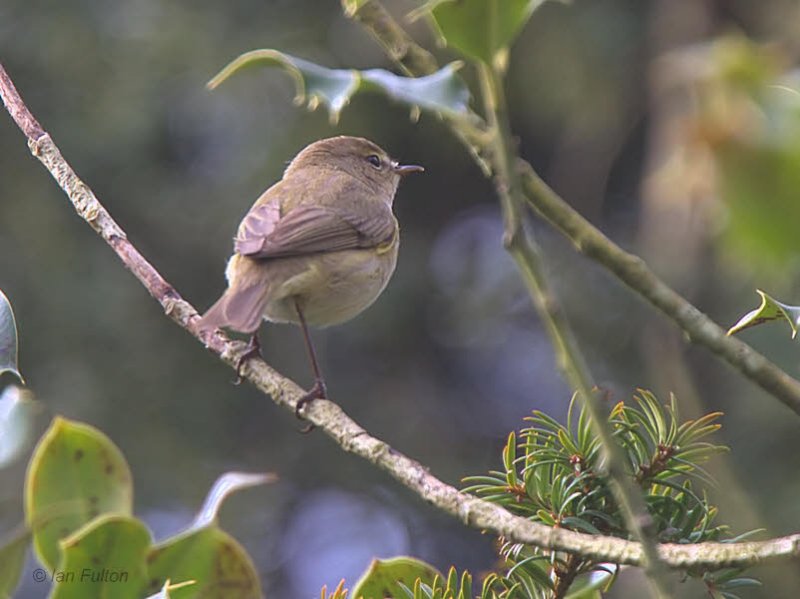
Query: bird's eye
x=374 y=160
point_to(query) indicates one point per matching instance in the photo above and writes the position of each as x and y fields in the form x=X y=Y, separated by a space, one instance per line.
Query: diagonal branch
x=591 y=242
x=527 y=255
x=633 y=271
x=351 y=437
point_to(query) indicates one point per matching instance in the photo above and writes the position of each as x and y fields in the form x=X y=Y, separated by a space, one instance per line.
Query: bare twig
x=329 y=418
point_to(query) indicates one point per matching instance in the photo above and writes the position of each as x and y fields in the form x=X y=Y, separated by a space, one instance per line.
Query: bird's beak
x=404 y=169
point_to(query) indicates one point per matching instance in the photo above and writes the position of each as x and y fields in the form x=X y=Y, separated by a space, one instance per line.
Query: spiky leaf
x=770 y=309
x=441 y=92
x=207 y=555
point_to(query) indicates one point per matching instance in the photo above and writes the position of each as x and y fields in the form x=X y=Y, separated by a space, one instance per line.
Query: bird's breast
x=331 y=287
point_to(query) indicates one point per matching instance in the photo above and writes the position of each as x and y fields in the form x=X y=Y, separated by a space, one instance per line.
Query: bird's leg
x=318 y=391
x=253 y=350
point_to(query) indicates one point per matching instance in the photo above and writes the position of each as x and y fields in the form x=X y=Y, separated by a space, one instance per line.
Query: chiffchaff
x=316 y=248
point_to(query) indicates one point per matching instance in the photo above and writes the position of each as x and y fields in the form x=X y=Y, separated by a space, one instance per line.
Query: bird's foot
x=318 y=391
x=253 y=350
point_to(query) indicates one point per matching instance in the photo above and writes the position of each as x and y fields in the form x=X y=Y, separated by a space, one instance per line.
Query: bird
x=315 y=249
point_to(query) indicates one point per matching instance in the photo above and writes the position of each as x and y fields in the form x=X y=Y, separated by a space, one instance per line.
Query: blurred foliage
x=745 y=115
x=119 y=85
x=12 y=559
x=78 y=511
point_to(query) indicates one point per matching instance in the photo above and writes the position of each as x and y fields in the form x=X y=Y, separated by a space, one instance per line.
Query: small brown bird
x=317 y=248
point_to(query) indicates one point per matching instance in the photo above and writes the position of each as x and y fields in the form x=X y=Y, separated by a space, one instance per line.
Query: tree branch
x=330 y=418
x=634 y=272
x=629 y=268
x=528 y=258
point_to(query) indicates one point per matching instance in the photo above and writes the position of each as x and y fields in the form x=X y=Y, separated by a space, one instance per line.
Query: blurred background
x=670 y=124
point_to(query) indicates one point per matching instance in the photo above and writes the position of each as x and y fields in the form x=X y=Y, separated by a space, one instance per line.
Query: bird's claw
x=318 y=391
x=253 y=350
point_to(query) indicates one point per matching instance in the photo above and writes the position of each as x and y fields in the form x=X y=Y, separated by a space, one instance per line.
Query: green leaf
x=441 y=92
x=12 y=558
x=385 y=576
x=478 y=28
x=105 y=558
x=8 y=339
x=206 y=554
x=75 y=474
x=217 y=563
x=770 y=309
x=18 y=411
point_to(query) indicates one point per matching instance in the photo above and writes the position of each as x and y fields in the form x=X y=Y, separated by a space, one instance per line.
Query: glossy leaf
x=770 y=309
x=207 y=555
x=105 y=558
x=217 y=563
x=441 y=92
x=478 y=28
x=386 y=575
x=75 y=474
x=18 y=411
x=12 y=559
x=8 y=339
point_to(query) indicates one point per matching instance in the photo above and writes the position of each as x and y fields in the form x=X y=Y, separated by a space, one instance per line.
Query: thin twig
x=528 y=258
x=330 y=418
x=634 y=272
x=398 y=45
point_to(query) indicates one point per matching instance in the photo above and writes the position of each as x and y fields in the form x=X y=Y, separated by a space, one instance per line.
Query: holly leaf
x=442 y=92
x=207 y=555
x=770 y=309
x=478 y=28
x=105 y=558
x=12 y=558
x=76 y=474
x=384 y=577
x=8 y=339
x=18 y=411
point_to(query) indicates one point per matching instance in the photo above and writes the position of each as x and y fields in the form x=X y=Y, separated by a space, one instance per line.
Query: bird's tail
x=239 y=308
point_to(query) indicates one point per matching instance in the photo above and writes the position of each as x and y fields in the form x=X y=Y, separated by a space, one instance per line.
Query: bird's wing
x=309 y=229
